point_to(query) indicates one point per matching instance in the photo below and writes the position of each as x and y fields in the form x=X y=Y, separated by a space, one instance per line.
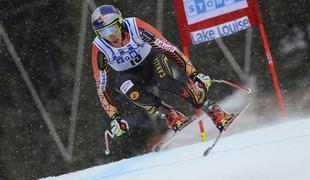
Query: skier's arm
x=101 y=74
x=152 y=36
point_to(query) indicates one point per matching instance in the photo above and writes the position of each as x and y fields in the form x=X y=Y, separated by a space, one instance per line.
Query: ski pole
x=246 y=90
x=106 y=139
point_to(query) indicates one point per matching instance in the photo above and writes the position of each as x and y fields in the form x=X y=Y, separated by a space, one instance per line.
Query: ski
x=171 y=135
x=209 y=149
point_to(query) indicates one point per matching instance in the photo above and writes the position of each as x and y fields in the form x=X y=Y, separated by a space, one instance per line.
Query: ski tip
x=157 y=147
x=207 y=152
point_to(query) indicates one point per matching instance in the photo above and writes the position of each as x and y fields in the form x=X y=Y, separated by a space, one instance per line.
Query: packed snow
x=280 y=151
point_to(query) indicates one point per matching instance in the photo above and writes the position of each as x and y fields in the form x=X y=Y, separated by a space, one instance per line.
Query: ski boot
x=220 y=118
x=174 y=119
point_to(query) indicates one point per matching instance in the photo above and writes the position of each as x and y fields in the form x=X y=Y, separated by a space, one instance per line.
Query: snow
x=280 y=151
x=292 y=42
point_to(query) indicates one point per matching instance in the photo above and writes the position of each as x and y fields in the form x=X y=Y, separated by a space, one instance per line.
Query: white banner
x=199 y=10
x=220 y=30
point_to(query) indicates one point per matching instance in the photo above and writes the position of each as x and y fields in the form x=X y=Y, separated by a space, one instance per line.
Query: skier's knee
x=194 y=96
x=140 y=96
x=129 y=89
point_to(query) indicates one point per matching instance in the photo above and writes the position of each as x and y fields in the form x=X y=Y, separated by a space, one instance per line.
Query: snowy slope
x=280 y=151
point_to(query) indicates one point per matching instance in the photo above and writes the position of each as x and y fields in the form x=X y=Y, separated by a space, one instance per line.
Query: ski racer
x=139 y=55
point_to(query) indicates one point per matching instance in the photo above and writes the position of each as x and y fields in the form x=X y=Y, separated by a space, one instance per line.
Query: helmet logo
x=101 y=18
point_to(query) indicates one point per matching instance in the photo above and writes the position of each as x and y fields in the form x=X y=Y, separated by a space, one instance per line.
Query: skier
x=139 y=54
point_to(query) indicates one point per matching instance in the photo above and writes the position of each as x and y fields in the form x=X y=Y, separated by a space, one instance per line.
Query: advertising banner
x=205 y=20
x=199 y=10
x=220 y=30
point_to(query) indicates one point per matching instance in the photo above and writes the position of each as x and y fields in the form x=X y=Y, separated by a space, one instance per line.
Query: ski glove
x=201 y=81
x=118 y=126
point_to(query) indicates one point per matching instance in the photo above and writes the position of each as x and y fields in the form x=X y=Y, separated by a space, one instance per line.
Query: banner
x=199 y=10
x=204 y=20
x=220 y=30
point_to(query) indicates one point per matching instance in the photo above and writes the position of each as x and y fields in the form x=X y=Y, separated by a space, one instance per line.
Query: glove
x=201 y=81
x=118 y=126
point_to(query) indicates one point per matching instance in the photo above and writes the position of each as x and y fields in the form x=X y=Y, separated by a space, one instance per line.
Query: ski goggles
x=109 y=30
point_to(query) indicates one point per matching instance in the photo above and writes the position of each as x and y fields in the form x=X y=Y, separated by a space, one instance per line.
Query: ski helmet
x=106 y=20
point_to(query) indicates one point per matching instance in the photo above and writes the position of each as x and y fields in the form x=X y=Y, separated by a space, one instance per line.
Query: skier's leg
x=152 y=104
x=197 y=98
x=165 y=81
x=131 y=84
